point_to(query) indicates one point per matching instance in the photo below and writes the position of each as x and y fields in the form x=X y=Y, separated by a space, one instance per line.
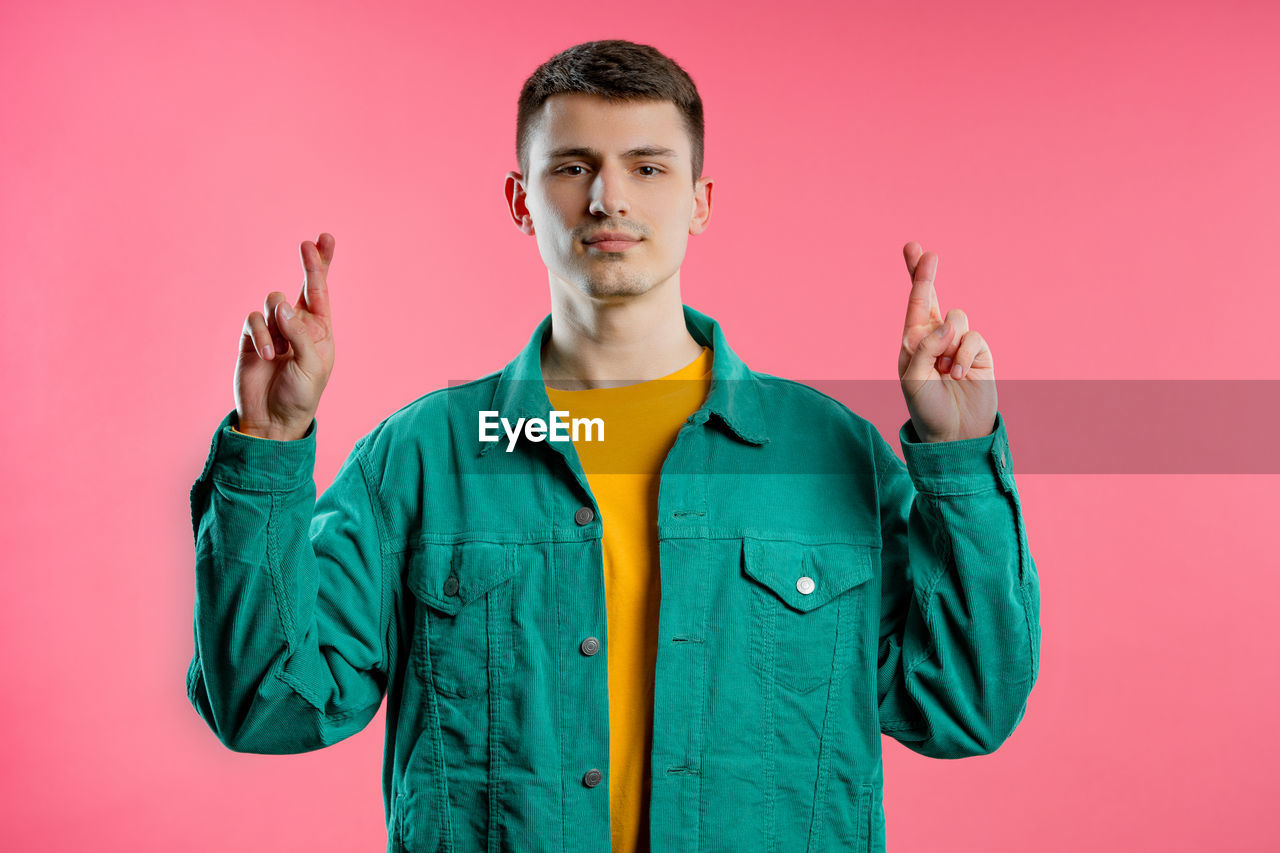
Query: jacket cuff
x=958 y=467
x=260 y=464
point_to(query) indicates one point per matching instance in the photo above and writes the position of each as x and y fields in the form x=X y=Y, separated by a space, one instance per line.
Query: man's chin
x=607 y=284
x=619 y=291
x=603 y=288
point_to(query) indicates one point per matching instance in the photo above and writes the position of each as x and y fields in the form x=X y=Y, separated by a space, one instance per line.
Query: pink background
x=1100 y=182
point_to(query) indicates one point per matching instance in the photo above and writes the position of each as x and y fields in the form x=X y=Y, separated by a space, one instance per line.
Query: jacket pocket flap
x=448 y=576
x=803 y=575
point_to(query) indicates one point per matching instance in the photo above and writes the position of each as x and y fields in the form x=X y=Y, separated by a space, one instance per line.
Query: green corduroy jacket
x=816 y=593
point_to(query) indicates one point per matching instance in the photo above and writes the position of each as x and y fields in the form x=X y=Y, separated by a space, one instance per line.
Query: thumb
x=299 y=338
x=927 y=351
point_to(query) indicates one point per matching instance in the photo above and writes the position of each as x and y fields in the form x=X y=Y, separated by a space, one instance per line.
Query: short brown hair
x=614 y=69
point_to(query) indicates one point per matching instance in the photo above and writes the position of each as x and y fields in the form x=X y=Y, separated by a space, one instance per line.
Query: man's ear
x=516 y=194
x=701 y=206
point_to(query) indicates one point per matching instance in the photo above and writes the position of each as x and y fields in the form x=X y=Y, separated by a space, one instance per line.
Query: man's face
x=597 y=167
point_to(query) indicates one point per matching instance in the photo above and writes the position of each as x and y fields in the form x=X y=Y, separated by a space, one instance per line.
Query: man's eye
x=563 y=168
x=656 y=171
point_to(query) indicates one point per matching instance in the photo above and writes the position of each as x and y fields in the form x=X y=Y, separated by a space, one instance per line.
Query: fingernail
x=286 y=310
x=957 y=372
x=943 y=329
x=268 y=352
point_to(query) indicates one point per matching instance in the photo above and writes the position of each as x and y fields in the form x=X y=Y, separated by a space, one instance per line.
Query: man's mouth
x=611 y=241
x=612 y=245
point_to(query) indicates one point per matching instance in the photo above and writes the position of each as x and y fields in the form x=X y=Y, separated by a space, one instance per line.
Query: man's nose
x=608 y=192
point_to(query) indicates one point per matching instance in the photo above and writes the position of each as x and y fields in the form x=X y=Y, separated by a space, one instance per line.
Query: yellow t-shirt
x=640 y=425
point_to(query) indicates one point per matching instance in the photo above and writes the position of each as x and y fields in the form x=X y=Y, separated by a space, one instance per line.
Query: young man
x=688 y=632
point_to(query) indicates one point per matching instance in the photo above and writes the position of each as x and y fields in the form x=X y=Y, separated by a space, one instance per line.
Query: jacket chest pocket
x=462 y=622
x=802 y=597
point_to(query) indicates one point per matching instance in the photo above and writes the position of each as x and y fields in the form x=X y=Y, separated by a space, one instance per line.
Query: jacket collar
x=733 y=396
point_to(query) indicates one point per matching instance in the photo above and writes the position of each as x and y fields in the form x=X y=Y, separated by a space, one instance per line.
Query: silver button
x=805 y=585
x=592 y=778
x=590 y=646
x=584 y=515
x=451 y=586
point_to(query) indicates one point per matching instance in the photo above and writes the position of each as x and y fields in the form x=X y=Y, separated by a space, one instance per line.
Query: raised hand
x=286 y=356
x=946 y=369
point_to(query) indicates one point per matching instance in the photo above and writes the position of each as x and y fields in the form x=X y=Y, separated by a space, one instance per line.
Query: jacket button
x=805 y=585
x=590 y=646
x=592 y=778
x=584 y=515
x=451 y=586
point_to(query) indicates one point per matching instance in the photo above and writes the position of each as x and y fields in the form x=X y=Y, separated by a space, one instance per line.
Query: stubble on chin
x=595 y=286
x=613 y=283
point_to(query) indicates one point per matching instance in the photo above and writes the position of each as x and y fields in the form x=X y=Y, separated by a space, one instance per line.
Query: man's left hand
x=948 y=379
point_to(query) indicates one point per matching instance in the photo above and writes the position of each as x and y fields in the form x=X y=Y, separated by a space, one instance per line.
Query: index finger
x=922 y=304
x=316 y=258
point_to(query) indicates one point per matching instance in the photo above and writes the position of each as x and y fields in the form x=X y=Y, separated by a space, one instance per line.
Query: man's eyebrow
x=643 y=151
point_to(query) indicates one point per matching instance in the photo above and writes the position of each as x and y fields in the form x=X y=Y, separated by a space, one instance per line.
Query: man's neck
x=596 y=343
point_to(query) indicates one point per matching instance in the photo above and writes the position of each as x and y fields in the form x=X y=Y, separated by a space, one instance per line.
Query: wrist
x=273 y=433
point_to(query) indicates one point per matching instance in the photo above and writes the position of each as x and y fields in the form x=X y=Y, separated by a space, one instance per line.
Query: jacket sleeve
x=291 y=610
x=960 y=596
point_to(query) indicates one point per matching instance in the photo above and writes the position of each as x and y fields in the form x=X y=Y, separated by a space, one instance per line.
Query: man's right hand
x=286 y=356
